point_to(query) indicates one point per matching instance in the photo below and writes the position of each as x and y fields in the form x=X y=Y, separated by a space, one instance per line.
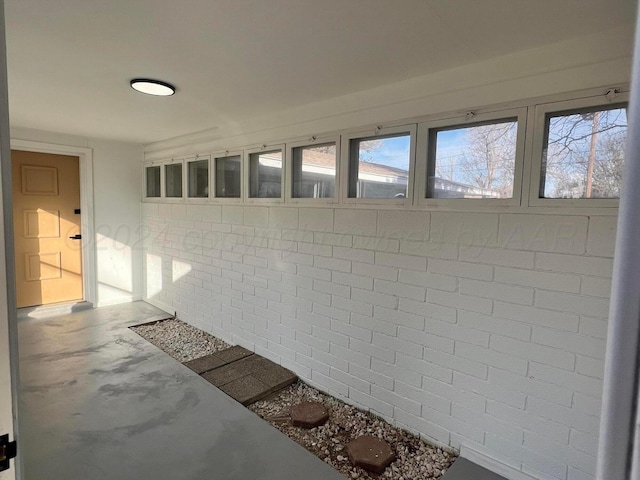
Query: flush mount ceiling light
x=152 y=87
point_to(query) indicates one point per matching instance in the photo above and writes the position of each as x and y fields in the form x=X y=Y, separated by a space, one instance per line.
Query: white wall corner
x=493 y=465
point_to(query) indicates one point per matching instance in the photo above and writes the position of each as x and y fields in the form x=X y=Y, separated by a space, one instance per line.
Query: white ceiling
x=70 y=61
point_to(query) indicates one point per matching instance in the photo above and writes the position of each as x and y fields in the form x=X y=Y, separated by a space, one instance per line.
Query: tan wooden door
x=46 y=193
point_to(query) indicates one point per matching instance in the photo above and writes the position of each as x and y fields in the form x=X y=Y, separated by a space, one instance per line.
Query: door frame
x=87 y=229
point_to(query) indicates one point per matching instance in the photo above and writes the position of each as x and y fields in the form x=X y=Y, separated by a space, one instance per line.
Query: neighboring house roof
x=325 y=163
x=328 y=160
x=442 y=184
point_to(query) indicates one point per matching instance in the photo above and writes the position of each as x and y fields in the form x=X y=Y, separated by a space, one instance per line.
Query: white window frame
x=185 y=187
x=425 y=159
x=372 y=133
x=212 y=179
x=156 y=163
x=314 y=141
x=539 y=132
x=247 y=174
x=163 y=177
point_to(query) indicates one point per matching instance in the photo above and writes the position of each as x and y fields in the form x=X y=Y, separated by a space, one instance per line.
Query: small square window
x=228 y=176
x=198 y=176
x=153 y=181
x=265 y=174
x=379 y=166
x=314 y=171
x=173 y=180
x=473 y=161
x=583 y=153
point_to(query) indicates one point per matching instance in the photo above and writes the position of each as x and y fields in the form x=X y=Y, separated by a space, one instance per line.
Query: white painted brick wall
x=485 y=330
x=404 y=225
x=544 y=233
x=465 y=228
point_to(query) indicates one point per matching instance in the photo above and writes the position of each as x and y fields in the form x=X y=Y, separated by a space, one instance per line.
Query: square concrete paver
x=226 y=374
x=248 y=378
x=204 y=364
x=217 y=359
x=234 y=353
x=275 y=376
x=246 y=390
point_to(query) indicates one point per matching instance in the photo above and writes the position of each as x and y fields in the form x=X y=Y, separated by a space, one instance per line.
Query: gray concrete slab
x=463 y=469
x=100 y=402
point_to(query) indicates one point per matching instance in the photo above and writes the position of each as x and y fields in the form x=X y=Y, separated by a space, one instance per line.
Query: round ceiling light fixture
x=152 y=87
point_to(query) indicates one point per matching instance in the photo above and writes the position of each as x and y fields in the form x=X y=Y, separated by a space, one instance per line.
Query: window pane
x=379 y=167
x=314 y=171
x=199 y=179
x=153 y=182
x=173 y=180
x=583 y=154
x=228 y=177
x=476 y=161
x=265 y=174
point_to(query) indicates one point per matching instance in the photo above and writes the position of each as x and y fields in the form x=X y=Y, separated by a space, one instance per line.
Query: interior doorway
x=47 y=228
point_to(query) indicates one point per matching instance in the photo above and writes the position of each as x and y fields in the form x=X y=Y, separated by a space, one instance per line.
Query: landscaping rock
x=415 y=459
x=180 y=340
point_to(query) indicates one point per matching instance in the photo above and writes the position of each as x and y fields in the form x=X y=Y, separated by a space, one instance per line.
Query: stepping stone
x=309 y=414
x=232 y=354
x=226 y=374
x=218 y=359
x=246 y=390
x=371 y=453
x=275 y=376
x=250 y=378
x=204 y=364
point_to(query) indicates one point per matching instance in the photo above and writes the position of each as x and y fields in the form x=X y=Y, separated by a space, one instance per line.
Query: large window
x=473 y=161
x=198 y=178
x=152 y=176
x=379 y=166
x=228 y=176
x=265 y=174
x=583 y=153
x=173 y=180
x=314 y=171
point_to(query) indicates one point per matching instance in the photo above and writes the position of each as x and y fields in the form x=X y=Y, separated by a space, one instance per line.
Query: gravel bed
x=180 y=340
x=415 y=459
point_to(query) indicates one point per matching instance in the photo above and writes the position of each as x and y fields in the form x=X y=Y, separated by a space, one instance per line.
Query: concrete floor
x=100 y=402
x=463 y=469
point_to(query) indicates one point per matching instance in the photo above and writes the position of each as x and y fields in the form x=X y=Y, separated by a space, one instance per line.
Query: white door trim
x=89 y=279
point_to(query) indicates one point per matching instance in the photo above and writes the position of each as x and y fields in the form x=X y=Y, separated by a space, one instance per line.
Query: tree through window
x=474 y=161
x=583 y=154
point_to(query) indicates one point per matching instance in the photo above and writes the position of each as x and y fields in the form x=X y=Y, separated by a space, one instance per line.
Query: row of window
x=577 y=152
